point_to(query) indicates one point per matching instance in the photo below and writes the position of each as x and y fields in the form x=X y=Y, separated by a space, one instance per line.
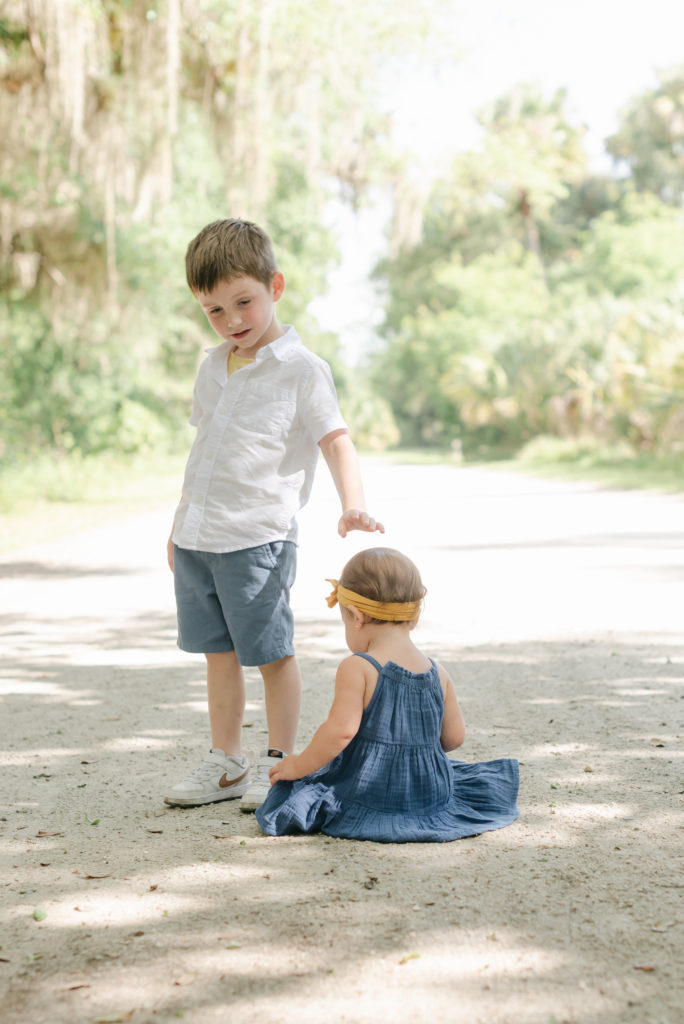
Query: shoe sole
x=250 y=806
x=197 y=801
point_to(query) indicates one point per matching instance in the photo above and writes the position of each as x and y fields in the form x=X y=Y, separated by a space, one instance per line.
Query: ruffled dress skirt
x=393 y=783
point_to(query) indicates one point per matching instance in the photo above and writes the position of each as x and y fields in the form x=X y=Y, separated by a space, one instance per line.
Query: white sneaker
x=260 y=784
x=219 y=777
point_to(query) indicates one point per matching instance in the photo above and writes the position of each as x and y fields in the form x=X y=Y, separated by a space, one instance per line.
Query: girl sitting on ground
x=377 y=769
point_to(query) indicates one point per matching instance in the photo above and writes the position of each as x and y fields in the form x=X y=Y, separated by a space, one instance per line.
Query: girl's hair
x=383 y=574
x=226 y=249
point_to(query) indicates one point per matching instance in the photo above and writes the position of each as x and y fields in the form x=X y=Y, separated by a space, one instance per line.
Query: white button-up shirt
x=252 y=464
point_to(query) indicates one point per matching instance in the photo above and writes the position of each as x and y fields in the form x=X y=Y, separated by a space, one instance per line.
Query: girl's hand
x=286 y=770
x=354 y=519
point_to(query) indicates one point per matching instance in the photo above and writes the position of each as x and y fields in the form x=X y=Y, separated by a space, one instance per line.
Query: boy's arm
x=343 y=463
x=342 y=724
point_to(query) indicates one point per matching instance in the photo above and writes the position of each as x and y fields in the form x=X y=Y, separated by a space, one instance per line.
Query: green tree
x=128 y=126
x=650 y=139
x=481 y=346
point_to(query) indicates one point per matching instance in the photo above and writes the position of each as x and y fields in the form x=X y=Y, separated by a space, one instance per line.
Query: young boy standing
x=263 y=405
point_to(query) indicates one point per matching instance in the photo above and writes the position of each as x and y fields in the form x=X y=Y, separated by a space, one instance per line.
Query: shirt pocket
x=272 y=411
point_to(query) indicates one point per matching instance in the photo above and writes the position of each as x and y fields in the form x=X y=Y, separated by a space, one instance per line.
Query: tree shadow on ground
x=199 y=914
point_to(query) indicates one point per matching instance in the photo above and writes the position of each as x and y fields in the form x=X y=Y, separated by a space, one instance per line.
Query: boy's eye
x=214 y=312
x=243 y=302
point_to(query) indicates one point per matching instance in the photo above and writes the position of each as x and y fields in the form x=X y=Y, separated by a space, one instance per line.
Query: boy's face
x=242 y=311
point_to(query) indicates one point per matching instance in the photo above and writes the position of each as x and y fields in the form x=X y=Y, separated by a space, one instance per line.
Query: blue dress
x=393 y=783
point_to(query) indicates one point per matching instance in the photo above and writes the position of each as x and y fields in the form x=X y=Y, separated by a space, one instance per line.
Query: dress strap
x=368 y=657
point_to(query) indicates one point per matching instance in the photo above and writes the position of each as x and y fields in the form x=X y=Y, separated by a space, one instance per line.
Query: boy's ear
x=277 y=285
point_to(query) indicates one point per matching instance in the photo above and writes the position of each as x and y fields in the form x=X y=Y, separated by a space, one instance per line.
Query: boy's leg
x=224 y=773
x=283 y=697
x=226 y=699
x=282 y=693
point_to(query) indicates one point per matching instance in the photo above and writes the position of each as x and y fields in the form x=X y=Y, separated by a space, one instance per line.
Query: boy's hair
x=383 y=574
x=226 y=249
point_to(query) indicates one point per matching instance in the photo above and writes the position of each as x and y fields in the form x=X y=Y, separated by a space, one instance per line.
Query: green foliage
x=538 y=300
x=562 y=317
x=370 y=419
x=126 y=133
x=650 y=139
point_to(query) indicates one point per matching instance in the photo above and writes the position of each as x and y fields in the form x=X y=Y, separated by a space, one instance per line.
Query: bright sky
x=602 y=51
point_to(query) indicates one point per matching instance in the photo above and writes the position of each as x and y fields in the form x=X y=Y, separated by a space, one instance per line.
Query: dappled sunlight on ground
x=153 y=912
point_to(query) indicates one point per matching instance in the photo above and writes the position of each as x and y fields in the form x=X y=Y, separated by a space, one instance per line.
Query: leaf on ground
x=72 y=988
x=648 y=968
x=114 y=1018
x=42 y=834
x=214 y=836
x=234 y=945
x=155 y=831
x=409 y=956
x=39 y=915
x=97 y=876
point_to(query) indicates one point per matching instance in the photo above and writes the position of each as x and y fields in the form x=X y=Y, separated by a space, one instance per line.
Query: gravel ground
x=557 y=609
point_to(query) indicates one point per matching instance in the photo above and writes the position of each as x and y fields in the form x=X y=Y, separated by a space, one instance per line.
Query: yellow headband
x=388 y=611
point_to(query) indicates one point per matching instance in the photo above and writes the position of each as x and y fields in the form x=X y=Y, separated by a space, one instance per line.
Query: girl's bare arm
x=337 y=731
x=453 y=726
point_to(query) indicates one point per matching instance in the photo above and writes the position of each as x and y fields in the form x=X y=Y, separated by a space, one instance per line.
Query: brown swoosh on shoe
x=225 y=782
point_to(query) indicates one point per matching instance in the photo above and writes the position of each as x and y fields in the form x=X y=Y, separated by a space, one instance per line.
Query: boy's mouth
x=240 y=335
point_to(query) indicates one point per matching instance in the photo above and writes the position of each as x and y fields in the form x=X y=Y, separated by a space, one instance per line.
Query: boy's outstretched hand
x=353 y=519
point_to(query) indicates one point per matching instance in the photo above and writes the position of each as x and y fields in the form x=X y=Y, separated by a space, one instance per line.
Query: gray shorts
x=236 y=601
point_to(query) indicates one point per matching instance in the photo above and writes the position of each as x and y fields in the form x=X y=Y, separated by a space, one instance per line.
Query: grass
x=50 y=497
x=615 y=466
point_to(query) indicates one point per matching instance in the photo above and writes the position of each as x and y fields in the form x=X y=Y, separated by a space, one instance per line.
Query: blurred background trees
x=530 y=297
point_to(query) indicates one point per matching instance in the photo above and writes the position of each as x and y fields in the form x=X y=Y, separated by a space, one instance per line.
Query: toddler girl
x=377 y=768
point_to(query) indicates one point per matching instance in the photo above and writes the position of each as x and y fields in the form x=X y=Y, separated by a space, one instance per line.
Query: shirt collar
x=279 y=348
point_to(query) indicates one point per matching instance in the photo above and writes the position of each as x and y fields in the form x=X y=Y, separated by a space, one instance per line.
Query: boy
x=263 y=405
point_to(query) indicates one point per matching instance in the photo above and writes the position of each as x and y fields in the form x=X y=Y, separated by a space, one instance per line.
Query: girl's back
x=395 y=762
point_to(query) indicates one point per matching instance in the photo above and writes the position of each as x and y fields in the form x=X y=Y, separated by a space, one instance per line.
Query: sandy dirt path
x=558 y=609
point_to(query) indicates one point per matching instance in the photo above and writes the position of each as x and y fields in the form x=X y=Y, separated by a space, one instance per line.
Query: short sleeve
x=318 y=409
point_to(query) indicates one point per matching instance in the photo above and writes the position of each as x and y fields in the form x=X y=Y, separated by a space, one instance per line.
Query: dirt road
x=558 y=609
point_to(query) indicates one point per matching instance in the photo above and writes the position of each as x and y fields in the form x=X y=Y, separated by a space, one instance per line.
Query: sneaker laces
x=209 y=767
x=206 y=769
